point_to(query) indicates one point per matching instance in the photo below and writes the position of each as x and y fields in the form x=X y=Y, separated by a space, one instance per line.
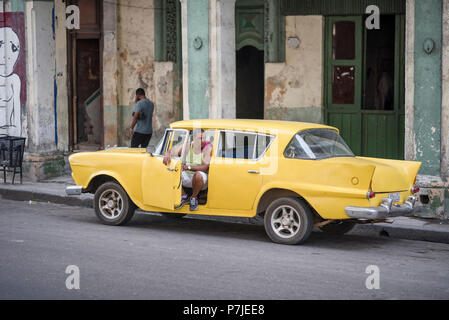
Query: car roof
x=265 y=126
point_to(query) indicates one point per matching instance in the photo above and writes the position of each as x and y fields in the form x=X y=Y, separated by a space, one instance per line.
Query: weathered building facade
x=386 y=89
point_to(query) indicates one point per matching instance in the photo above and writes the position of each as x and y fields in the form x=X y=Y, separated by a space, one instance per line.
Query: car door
x=235 y=171
x=161 y=184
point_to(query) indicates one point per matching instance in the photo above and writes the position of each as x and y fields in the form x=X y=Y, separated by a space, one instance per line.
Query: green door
x=364 y=85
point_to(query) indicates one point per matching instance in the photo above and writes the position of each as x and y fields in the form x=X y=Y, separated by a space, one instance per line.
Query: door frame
x=357 y=111
x=85 y=32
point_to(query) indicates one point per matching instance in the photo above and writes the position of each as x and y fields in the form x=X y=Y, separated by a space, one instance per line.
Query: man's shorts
x=187 y=178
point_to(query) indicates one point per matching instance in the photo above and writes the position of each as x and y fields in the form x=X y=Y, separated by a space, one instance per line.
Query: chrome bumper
x=74 y=190
x=385 y=210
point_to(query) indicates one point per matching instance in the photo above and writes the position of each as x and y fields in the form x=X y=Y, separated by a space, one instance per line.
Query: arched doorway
x=249 y=83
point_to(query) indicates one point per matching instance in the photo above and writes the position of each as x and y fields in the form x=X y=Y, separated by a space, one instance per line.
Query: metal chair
x=11 y=156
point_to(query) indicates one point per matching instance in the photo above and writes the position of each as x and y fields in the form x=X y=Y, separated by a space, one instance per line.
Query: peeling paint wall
x=445 y=109
x=293 y=90
x=427 y=92
x=445 y=96
x=42 y=157
x=426 y=102
x=409 y=143
x=40 y=76
x=128 y=64
x=135 y=49
x=167 y=97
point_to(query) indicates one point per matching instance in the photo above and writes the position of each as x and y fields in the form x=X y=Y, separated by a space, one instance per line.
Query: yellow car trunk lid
x=392 y=175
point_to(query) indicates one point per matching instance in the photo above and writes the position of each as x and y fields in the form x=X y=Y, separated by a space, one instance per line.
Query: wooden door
x=364 y=87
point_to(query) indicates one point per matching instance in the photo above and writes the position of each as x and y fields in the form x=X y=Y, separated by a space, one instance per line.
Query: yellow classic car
x=293 y=175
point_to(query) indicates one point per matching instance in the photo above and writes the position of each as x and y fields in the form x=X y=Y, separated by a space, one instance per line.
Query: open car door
x=161 y=184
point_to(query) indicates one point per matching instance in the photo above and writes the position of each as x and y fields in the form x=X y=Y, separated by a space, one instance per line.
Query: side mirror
x=151 y=150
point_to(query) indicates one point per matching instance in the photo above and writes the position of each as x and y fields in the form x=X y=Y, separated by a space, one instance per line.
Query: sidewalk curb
x=398 y=231
x=25 y=195
x=402 y=232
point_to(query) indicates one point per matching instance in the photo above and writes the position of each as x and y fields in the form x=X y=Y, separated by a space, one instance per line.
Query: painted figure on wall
x=10 y=84
x=12 y=73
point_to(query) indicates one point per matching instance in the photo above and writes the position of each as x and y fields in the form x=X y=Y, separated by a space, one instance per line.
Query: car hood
x=99 y=157
x=388 y=175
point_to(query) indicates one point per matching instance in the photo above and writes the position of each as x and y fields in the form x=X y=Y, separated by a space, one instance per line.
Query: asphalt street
x=154 y=257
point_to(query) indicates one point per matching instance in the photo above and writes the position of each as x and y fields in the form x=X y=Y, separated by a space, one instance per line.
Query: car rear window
x=317 y=144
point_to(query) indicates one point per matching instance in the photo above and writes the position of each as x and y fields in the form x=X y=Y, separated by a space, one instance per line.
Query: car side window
x=242 y=145
x=263 y=143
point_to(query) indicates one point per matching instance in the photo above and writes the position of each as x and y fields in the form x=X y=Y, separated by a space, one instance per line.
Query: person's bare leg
x=197 y=184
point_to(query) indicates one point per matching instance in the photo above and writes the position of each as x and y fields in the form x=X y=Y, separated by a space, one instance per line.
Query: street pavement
x=154 y=257
x=53 y=190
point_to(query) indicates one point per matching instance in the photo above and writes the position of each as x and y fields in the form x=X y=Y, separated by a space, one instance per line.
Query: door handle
x=253 y=171
x=171 y=169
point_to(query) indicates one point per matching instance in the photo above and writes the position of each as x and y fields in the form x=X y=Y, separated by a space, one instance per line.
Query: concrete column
x=409 y=143
x=445 y=96
x=445 y=108
x=185 y=61
x=429 y=108
x=62 y=106
x=40 y=58
x=427 y=92
x=222 y=59
x=110 y=74
x=274 y=24
x=195 y=58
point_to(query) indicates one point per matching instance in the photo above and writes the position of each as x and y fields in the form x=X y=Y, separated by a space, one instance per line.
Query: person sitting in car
x=196 y=167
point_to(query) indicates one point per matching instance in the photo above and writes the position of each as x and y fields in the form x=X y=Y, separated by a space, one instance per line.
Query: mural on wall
x=12 y=72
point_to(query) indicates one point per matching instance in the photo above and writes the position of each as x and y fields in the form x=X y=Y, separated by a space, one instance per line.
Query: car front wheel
x=288 y=220
x=113 y=205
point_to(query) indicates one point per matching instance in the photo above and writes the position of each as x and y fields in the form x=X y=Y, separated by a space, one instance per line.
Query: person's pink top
x=205 y=145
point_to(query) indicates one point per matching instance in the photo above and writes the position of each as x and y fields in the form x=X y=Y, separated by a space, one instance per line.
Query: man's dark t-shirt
x=146 y=107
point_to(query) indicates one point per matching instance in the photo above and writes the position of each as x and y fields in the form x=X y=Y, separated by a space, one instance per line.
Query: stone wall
x=128 y=64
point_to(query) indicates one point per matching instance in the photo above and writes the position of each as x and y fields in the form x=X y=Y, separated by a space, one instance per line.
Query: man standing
x=141 y=126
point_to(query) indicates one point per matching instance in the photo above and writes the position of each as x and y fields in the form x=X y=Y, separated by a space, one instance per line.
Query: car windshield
x=317 y=144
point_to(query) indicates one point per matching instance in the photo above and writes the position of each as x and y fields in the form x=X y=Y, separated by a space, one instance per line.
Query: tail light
x=414 y=189
x=370 y=195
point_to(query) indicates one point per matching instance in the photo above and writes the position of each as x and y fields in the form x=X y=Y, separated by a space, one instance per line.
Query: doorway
x=364 y=88
x=88 y=115
x=249 y=83
x=85 y=69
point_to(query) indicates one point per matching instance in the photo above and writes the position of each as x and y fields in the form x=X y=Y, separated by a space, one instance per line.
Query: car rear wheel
x=288 y=220
x=338 y=227
x=113 y=205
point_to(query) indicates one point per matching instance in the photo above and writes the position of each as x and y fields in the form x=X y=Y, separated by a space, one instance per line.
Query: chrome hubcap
x=111 y=204
x=285 y=221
